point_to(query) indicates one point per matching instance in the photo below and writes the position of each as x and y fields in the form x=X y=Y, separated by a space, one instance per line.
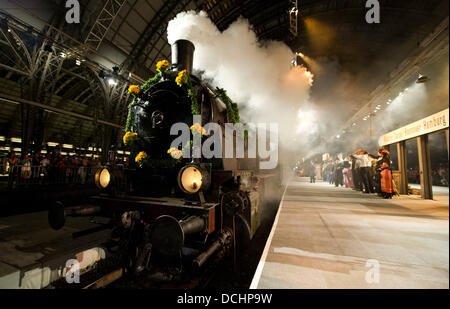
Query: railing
x=19 y=176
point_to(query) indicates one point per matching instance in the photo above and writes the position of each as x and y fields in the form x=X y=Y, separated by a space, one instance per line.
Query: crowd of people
x=439 y=176
x=49 y=168
x=360 y=171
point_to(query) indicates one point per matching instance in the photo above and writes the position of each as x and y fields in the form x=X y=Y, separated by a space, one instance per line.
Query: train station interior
x=224 y=144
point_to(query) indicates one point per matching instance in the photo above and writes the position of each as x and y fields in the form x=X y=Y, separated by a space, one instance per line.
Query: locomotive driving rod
x=223 y=240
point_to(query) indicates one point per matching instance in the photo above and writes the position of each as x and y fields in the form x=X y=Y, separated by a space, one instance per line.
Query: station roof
x=136 y=39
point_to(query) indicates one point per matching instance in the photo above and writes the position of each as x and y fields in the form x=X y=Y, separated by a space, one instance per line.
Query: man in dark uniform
x=338 y=176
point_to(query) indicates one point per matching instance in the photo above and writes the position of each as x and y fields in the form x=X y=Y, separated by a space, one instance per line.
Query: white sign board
x=428 y=125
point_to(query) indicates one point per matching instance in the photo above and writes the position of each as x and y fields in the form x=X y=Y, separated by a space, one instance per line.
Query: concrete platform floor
x=336 y=238
x=32 y=255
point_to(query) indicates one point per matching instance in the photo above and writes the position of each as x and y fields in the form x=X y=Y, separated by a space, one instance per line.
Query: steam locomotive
x=182 y=215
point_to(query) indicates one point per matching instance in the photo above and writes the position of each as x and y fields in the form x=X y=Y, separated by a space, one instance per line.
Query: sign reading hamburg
x=428 y=125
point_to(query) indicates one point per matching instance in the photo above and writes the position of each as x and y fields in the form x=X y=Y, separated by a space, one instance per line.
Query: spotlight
x=112 y=81
x=102 y=74
x=422 y=79
x=62 y=55
x=299 y=61
x=78 y=62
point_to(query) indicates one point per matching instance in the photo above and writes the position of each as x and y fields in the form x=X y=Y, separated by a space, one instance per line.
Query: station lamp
x=110 y=79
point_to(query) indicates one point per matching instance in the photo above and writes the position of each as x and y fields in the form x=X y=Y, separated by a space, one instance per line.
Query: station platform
x=32 y=255
x=337 y=238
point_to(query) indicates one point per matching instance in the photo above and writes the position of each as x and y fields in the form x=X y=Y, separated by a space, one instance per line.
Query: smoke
x=257 y=75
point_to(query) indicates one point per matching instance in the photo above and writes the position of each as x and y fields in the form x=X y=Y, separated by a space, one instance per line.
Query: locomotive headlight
x=102 y=178
x=190 y=179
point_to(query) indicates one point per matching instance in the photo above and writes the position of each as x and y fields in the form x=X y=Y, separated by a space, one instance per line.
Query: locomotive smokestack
x=183 y=55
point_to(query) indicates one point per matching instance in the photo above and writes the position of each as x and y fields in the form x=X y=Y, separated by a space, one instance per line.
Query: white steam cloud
x=257 y=75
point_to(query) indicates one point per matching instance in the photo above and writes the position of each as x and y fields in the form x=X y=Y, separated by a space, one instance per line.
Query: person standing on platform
x=366 y=170
x=348 y=176
x=312 y=172
x=378 y=173
x=338 y=174
x=319 y=172
x=355 y=173
x=327 y=172
x=387 y=184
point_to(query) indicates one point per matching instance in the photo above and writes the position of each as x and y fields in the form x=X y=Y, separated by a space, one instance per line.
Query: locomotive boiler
x=168 y=212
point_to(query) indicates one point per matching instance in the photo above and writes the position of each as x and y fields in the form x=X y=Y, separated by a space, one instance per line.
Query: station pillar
x=403 y=168
x=426 y=179
x=446 y=136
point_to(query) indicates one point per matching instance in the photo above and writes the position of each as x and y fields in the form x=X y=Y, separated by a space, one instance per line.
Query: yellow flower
x=141 y=156
x=181 y=78
x=128 y=136
x=175 y=153
x=134 y=89
x=197 y=128
x=162 y=65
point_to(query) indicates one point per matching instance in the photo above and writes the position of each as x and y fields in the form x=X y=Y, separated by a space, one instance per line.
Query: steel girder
x=103 y=22
x=153 y=33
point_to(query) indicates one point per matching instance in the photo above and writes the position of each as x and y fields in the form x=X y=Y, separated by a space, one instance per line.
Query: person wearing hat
x=387 y=183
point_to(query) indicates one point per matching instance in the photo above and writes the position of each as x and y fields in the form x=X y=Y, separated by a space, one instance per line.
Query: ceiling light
x=112 y=81
x=422 y=79
x=298 y=61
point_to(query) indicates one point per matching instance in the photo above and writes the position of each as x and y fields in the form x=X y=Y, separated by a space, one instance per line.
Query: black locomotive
x=175 y=213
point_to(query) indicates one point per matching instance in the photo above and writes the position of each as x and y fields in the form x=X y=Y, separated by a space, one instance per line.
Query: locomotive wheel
x=235 y=210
